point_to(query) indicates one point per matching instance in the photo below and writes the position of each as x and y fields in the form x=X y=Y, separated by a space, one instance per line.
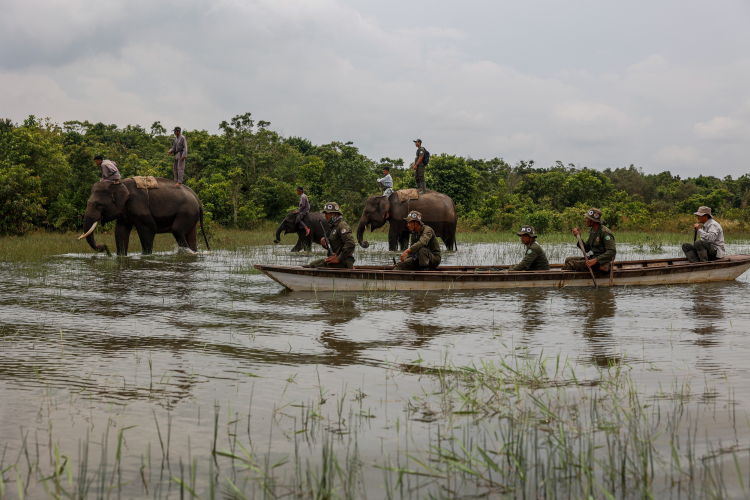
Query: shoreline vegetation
x=41 y=244
x=246 y=177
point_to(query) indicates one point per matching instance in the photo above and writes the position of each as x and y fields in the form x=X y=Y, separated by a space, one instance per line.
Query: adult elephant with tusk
x=166 y=209
x=311 y=220
x=437 y=209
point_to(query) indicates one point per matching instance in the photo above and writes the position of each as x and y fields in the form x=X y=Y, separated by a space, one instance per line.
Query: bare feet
x=177 y=184
x=307 y=231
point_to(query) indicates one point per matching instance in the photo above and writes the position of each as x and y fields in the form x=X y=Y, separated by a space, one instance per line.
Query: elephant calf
x=311 y=220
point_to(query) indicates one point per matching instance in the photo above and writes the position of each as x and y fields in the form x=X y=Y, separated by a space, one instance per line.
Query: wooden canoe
x=625 y=273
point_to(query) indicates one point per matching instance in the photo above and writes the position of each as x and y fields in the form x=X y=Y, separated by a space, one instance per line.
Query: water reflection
x=598 y=310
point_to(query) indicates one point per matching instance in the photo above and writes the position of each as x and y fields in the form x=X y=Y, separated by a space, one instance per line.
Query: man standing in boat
x=534 y=259
x=711 y=244
x=424 y=252
x=601 y=244
x=342 y=241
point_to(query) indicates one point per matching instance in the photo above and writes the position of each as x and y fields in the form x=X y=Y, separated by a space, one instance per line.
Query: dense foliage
x=248 y=173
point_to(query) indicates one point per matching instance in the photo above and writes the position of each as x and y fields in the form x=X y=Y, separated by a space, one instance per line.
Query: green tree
x=451 y=176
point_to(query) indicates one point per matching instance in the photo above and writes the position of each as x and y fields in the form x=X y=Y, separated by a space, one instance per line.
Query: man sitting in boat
x=534 y=259
x=424 y=252
x=340 y=236
x=601 y=244
x=711 y=244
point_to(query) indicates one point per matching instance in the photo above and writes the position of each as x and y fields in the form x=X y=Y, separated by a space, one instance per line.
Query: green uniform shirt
x=534 y=260
x=425 y=238
x=420 y=152
x=342 y=240
x=602 y=244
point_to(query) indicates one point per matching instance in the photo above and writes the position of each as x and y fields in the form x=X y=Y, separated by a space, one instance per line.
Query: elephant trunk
x=89 y=224
x=361 y=233
x=278 y=234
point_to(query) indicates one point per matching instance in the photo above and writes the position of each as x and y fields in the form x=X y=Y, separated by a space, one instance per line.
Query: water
x=170 y=349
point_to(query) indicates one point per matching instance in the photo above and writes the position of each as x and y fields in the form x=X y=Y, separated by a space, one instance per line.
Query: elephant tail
x=205 y=238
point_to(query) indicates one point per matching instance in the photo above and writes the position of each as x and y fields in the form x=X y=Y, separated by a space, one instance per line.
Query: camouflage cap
x=331 y=208
x=594 y=215
x=417 y=140
x=703 y=211
x=414 y=216
x=527 y=230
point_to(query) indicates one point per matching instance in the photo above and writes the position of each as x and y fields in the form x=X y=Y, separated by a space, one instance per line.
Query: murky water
x=184 y=355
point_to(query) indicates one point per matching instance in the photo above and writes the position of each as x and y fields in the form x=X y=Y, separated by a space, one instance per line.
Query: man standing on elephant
x=342 y=240
x=110 y=173
x=601 y=244
x=419 y=164
x=424 y=252
x=302 y=210
x=179 y=150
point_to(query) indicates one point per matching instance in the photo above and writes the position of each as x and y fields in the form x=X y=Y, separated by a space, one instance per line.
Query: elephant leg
x=146 y=233
x=403 y=241
x=122 y=237
x=192 y=238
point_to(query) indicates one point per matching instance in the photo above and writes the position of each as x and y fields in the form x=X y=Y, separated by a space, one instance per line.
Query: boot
x=421 y=186
x=692 y=256
x=703 y=255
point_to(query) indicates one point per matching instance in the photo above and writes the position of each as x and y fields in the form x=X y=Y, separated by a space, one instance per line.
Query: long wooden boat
x=625 y=273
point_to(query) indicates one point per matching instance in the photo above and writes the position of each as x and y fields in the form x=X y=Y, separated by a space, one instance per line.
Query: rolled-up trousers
x=423 y=259
x=179 y=170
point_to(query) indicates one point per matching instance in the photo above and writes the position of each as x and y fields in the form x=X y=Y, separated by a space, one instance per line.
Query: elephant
x=168 y=209
x=311 y=220
x=437 y=209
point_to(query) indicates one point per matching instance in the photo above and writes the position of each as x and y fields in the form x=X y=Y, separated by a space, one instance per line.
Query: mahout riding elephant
x=311 y=220
x=167 y=209
x=437 y=209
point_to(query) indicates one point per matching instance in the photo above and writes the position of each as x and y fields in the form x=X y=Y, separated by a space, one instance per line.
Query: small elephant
x=167 y=209
x=437 y=209
x=311 y=220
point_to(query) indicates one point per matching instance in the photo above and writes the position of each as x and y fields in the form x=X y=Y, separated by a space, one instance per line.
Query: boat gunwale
x=470 y=273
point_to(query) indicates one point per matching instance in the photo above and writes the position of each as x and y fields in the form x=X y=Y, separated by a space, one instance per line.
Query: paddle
x=583 y=249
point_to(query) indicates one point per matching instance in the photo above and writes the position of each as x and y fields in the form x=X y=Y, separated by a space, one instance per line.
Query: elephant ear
x=385 y=209
x=120 y=195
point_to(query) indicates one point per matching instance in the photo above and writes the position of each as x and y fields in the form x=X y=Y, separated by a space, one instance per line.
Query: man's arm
x=609 y=250
x=423 y=240
x=419 y=158
x=349 y=246
x=711 y=235
x=526 y=263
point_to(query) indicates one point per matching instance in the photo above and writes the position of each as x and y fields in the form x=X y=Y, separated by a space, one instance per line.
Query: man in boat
x=342 y=240
x=711 y=244
x=424 y=252
x=601 y=244
x=534 y=259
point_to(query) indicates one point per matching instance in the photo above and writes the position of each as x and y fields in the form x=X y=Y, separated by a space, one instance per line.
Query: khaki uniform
x=342 y=244
x=534 y=260
x=425 y=251
x=179 y=148
x=420 y=167
x=601 y=244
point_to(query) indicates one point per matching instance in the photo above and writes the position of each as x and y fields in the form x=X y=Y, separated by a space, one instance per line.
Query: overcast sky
x=660 y=84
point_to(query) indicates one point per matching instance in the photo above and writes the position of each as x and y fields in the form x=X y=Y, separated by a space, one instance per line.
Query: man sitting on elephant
x=341 y=238
x=110 y=173
x=424 y=252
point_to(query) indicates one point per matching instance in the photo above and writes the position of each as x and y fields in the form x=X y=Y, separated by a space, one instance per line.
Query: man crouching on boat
x=601 y=244
x=711 y=244
x=342 y=241
x=424 y=252
x=534 y=259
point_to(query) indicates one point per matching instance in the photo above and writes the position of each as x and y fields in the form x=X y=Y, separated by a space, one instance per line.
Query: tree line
x=247 y=174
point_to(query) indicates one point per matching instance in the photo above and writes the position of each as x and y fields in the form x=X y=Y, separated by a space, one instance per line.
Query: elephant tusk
x=89 y=231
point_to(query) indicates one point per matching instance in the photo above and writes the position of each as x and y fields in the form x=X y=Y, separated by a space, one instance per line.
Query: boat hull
x=626 y=273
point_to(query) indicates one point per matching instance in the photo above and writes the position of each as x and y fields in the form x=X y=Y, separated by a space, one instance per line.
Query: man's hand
x=403 y=255
x=591 y=262
x=577 y=232
x=696 y=226
x=183 y=157
x=169 y=152
x=323 y=242
x=333 y=259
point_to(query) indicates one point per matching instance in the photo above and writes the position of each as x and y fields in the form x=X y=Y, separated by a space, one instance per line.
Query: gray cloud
x=599 y=85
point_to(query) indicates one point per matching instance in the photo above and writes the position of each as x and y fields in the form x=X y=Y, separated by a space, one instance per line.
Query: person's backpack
x=426 y=158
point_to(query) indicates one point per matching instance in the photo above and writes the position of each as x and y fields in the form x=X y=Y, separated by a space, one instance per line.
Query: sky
x=603 y=84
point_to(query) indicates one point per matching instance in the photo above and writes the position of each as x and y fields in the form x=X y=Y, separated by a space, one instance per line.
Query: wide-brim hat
x=414 y=216
x=594 y=215
x=527 y=230
x=331 y=208
x=703 y=211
